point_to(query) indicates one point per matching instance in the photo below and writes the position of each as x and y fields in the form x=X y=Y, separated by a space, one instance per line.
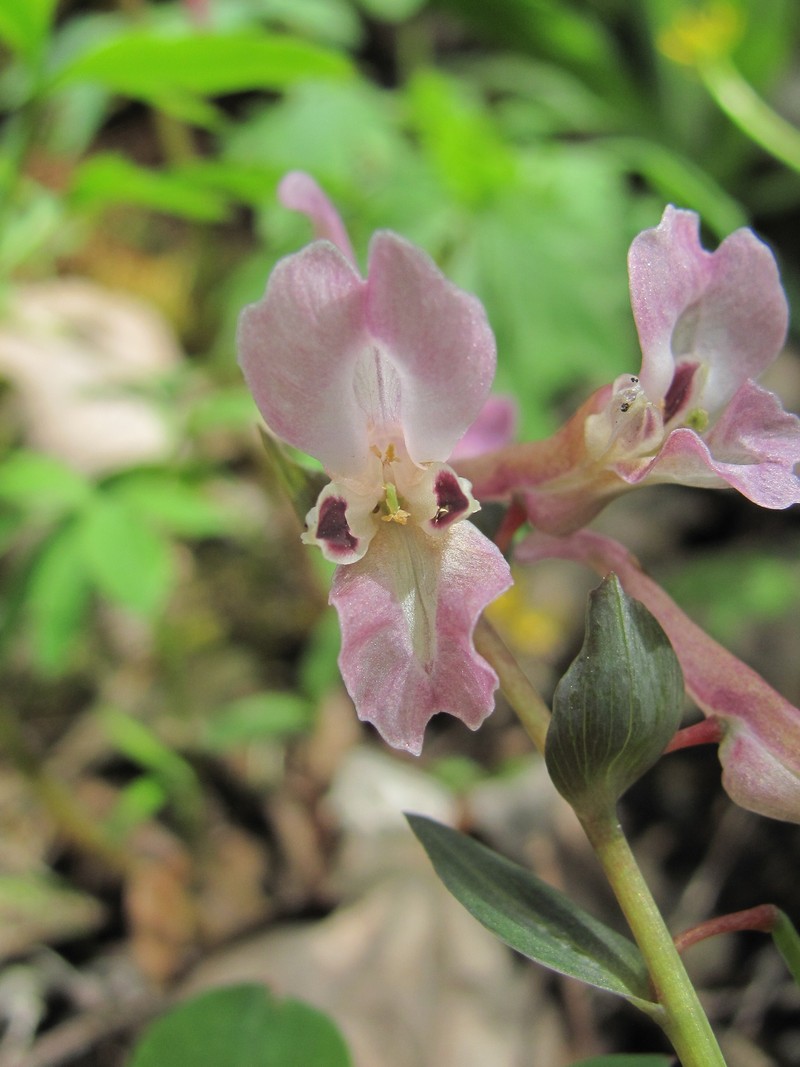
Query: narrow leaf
x=259 y=717
x=532 y=917
x=148 y=66
x=106 y=179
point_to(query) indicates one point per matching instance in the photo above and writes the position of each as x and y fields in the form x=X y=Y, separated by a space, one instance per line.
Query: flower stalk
x=684 y=1022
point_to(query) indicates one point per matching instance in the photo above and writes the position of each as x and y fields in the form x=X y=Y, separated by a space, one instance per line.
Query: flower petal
x=437 y=339
x=298 y=349
x=762 y=727
x=299 y=192
x=725 y=309
x=494 y=427
x=407 y=612
x=342 y=523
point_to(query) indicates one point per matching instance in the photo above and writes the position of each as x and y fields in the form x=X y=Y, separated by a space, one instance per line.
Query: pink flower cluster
x=386 y=379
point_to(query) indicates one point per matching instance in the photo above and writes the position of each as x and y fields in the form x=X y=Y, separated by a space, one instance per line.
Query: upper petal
x=725 y=309
x=299 y=192
x=407 y=612
x=298 y=349
x=437 y=339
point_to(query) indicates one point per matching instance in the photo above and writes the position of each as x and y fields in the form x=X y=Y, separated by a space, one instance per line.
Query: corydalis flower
x=709 y=324
x=379 y=378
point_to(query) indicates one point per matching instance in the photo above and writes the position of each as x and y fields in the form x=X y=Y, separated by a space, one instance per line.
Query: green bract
x=618 y=705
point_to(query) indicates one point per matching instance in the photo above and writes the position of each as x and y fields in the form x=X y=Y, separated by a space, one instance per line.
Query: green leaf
x=140 y=800
x=25 y=23
x=242 y=1026
x=151 y=67
x=57 y=599
x=129 y=562
x=319 y=667
x=532 y=917
x=36 y=909
x=170 y=503
x=224 y=409
x=142 y=746
x=107 y=179
x=458 y=136
x=37 y=482
x=262 y=716
x=392 y=10
x=618 y=705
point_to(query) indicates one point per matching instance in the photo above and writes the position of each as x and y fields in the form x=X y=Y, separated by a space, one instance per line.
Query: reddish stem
x=514 y=517
x=707 y=732
x=761 y=918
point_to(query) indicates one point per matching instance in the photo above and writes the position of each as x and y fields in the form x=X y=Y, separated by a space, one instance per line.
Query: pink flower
x=379 y=378
x=709 y=324
x=760 y=730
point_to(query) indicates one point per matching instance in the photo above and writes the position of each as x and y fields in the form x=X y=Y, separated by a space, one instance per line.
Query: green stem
x=787 y=942
x=685 y=1022
x=751 y=114
x=528 y=706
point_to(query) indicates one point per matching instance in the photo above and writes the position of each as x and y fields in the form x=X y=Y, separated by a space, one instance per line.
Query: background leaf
x=57 y=599
x=24 y=23
x=149 y=67
x=242 y=1026
x=129 y=562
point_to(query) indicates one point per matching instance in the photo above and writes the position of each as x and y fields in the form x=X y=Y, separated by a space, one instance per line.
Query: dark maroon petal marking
x=678 y=393
x=450 y=499
x=332 y=525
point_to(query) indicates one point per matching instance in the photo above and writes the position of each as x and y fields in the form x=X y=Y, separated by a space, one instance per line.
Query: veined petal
x=298 y=349
x=761 y=750
x=725 y=309
x=438 y=341
x=407 y=612
x=299 y=192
